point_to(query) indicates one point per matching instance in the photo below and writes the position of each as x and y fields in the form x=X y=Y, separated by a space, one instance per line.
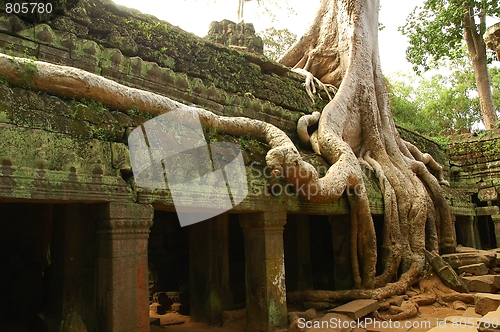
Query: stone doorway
x=48 y=265
x=168 y=264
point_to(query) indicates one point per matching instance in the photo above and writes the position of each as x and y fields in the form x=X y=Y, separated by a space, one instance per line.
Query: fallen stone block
x=467 y=258
x=496 y=253
x=483 y=284
x=357 y=308
x=484 y=303
x=490 y=322
x=445 y=272
x=478 y=269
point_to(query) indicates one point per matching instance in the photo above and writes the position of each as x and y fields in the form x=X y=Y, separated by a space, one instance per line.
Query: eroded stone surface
x=478 y=269
x=490 y=322
x=485 y=303
x=483 y=284
x=462 y=259
x=357 y=308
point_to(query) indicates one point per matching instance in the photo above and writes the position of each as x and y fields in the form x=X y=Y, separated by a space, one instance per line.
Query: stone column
x=466 y=227
x=209 y=289
x=454 y=227
x=122 y=263
x=496 y=222
x=341 y=240
x=265 y=270
x=476 y=239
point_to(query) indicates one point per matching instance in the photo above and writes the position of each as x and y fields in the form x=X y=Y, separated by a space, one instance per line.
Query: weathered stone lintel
x=487 y=210
x=162 y=200
x=122 y=218
x=59 y=186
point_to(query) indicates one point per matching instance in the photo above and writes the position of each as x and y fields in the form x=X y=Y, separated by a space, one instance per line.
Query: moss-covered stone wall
x=141 y=51
x=474 y=161
x=144 y=52
x=68 y=137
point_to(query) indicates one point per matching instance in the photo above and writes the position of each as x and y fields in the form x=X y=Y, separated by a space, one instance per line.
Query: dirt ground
x=429 y=316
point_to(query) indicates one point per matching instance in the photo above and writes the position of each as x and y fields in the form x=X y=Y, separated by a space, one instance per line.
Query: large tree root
x=311 y=82
x=408 y=309
x=285 y=159
x=416 y=215
x=354 y=129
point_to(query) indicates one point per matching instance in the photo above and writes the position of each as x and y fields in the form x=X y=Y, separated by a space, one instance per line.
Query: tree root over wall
x=355 y=130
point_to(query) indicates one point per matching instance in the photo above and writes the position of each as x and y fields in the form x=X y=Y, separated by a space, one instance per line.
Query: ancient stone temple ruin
x=78 y=237
x=492 y=38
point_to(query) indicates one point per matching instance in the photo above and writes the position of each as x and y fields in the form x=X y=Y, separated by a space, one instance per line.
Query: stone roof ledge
x=492 y=38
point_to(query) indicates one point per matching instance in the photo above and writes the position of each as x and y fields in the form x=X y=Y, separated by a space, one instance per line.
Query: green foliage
x=439 y=103
x=277 y=42
x=494 y=73
x=436 y=30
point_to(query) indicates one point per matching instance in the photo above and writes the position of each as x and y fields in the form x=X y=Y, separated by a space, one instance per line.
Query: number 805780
x=28 y=8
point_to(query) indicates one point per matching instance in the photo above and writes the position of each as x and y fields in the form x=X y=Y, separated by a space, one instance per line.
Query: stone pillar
x=496 y=222
x=265 y=270
x=122 y=263
x=476 y=239
x=341 y=242
x=454 y=227
x=466 y=227
x=209 y=289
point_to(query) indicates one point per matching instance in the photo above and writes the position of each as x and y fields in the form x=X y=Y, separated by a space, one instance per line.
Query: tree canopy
x=438 y=30
x=433 y=105
x=277 y=42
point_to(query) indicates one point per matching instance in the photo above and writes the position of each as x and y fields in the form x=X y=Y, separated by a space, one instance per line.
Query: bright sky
x=196 y=15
